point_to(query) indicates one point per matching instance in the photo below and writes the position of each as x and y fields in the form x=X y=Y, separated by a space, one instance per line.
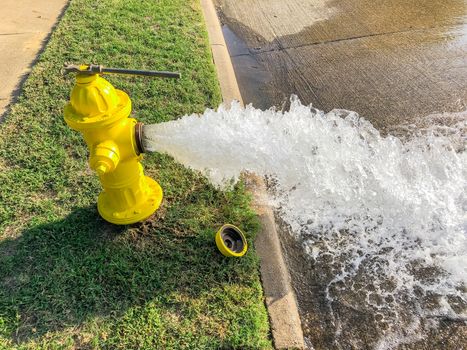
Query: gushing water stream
x=387 y=215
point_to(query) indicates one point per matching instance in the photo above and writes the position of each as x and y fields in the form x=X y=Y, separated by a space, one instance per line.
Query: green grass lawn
x=70 y=280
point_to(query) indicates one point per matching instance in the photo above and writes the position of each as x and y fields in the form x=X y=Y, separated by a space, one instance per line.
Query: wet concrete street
x=391 y=61
x=388 y=60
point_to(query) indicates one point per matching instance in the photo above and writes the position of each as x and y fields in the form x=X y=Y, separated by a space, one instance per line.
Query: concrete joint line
x=279 y=296
x=19 y=33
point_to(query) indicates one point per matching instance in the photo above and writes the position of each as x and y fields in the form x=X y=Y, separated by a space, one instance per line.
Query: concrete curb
x=279 y=296
x=220 y=55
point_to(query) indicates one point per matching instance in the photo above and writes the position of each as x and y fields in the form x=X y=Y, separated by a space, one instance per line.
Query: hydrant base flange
x=139 y=212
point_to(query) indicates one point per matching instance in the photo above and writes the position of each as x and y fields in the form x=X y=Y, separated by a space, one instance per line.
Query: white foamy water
x=388 y=215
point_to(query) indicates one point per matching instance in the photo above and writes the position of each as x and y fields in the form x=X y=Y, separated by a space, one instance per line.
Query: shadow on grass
x=63 y=273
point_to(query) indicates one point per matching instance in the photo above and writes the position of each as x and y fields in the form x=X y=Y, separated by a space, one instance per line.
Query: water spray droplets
x=389 y=211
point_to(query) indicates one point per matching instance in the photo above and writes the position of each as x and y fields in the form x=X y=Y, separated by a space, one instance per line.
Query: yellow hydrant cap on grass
x=231 y=241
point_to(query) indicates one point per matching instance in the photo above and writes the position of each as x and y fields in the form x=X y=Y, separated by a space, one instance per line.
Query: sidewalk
x=24 y=26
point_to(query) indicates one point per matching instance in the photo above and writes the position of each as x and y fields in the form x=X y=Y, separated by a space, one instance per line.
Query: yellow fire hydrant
x=101 y=113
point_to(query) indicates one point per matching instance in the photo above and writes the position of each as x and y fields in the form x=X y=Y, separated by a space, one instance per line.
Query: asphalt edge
x=279 y=295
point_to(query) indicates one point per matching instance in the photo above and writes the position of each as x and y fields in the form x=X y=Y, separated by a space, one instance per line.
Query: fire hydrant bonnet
x=94 y=102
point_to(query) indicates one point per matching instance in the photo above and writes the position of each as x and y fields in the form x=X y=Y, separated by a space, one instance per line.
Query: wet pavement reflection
x=391 y=61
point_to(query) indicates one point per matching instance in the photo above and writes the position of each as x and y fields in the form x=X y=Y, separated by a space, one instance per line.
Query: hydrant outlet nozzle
x=101 y=169
x=139 y=137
